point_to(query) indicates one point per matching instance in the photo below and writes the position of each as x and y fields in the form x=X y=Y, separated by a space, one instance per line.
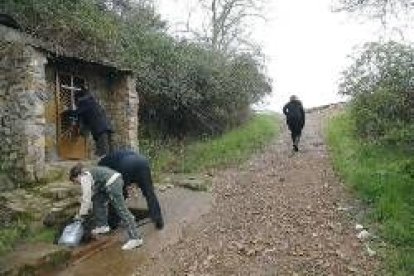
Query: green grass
x=383 y=177
x=9 y=237
x=46 y=235
x=19 y=231
x=219 y=152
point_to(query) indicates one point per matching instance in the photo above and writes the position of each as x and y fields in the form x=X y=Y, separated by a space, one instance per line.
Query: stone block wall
x=124 y=112
x=118 y=96
x=22 y=97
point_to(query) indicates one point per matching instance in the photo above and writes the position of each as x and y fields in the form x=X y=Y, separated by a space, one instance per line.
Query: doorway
x=70 y=146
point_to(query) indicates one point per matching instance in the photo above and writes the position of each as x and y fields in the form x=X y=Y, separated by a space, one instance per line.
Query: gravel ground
x=277 y=214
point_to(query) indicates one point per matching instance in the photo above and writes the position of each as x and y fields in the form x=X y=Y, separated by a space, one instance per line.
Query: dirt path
x=276 y=215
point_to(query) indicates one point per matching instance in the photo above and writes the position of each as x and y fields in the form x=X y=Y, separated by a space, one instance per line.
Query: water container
x=72 y=234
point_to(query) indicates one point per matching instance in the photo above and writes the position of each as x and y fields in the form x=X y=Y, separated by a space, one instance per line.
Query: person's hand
x=130 y=191
x=78 y=217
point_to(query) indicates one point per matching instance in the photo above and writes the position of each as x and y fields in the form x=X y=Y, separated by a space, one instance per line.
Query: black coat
x=295 y=115
x=92 y=116
x=127 y=162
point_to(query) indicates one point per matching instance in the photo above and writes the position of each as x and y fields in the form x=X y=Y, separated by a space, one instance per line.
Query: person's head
x=294 y=98
x=84 y=88
x=75 y=173
x=82 y=92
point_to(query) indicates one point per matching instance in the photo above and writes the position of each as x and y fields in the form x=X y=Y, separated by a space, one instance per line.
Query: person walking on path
x=100 y=185
x=93 y=117
x=295 y=119
x=135 y=168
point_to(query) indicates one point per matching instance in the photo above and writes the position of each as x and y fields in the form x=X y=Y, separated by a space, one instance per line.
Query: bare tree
x=227 y=26
x=381 y=9
x=121 y=7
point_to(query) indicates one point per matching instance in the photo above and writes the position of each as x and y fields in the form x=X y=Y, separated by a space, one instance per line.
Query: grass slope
x=228 y=149
x=383 y=176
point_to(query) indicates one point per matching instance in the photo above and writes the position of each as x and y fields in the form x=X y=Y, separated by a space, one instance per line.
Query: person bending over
x=101 y=185
x=135 y=168
x=93 y=118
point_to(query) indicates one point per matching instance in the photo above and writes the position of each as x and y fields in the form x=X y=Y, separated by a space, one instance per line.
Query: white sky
x=305 y=44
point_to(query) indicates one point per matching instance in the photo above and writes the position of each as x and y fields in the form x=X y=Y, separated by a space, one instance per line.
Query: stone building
x=37 y=84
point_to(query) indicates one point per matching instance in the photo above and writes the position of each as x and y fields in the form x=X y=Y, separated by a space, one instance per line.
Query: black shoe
x=159 y=223
x=295 y=148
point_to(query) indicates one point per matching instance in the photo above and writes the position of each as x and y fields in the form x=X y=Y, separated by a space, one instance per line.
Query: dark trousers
x=295 y=135
x=103 y=143
x=295 y=130
x=135 y=169
x=144 y=182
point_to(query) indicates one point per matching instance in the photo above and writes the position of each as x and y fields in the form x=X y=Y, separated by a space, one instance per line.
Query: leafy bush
x=379 y=166
x=185 y=88
x=381 y=84
x=75 y=26
x=196 y=90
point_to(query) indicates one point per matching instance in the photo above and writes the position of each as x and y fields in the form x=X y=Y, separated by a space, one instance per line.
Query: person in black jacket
x=135 y=168
x=92 y=116
x=295 y=119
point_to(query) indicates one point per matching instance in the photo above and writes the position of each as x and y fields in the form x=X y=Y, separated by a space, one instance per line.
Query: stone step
x=65 y=204
x=34 y=259
x=50 y=204
x=60 y=212
x=6 y=184
x=59 y=170
x=195 y=182
x=23 y=202
x=60 y=190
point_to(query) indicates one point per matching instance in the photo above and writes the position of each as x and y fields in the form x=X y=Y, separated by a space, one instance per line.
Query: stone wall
x=51 y=153
x=124 y=112
x=116 y=92
x=28 y=106
x=22 y=97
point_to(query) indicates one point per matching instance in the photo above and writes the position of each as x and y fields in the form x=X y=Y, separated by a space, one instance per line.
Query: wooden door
x=70 y=147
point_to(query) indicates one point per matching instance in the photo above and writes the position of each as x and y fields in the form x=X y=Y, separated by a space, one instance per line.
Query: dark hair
x=84 y=88
x=82 y=92
x=75 y=171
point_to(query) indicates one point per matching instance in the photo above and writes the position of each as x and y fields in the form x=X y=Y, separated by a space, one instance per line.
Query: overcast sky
x=305 y=44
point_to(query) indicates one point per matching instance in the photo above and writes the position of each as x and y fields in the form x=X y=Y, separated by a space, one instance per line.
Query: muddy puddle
x=181 y=207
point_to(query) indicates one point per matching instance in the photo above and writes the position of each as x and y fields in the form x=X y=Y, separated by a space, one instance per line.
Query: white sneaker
x=101 y=230
x=131 y=244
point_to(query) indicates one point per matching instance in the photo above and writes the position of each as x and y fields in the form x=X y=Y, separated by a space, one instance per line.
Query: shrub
x=381 y=84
